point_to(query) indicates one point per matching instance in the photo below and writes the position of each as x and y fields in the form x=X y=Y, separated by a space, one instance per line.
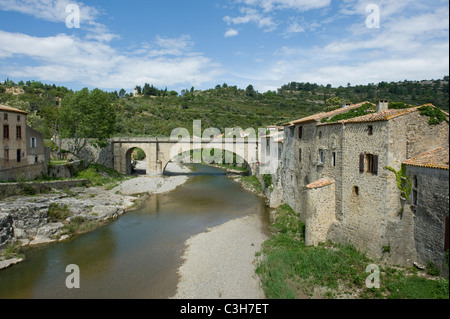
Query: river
x=136 y=256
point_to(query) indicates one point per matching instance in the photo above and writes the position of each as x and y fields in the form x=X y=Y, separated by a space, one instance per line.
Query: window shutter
x=361 y=163
x=375 y=165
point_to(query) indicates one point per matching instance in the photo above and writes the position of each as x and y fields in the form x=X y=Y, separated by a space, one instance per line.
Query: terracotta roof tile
x=382 y=116
x=438 y=158
x=320 y=183
x=319 y=116
x=11 y=109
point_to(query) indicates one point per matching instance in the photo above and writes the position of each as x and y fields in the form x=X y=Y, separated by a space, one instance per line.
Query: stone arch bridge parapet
x=160 y=151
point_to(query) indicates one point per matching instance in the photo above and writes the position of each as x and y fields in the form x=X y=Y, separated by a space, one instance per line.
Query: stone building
x=334 y=173
x=21 y=147
x=429 y=201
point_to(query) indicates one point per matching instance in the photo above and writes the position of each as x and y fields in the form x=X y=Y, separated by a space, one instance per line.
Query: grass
x=289 y=269
x=58 y=162
x=58 y=213
x=79 y=225
x=12 y=251
x=99 y=175
x=252 y=183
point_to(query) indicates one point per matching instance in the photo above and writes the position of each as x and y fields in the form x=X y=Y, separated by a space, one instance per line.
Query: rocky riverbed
x=28 y=221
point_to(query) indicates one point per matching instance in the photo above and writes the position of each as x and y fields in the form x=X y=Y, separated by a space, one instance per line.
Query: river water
x=138 y=255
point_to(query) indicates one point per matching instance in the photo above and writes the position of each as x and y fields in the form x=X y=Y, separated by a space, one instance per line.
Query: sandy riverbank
x=220 y=263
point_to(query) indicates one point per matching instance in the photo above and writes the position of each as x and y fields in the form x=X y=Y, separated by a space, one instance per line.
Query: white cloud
x=300 y=5
x=251 y=15
x=55 y=11
x=231 y=33
x=64 y=58
x=411 y=44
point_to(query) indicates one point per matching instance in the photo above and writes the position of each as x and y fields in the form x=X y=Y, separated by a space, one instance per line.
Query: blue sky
x=202 y=43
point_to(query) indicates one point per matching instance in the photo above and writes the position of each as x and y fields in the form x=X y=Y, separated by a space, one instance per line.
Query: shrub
x=267 y=178
x=58 y=213
x=435 y=114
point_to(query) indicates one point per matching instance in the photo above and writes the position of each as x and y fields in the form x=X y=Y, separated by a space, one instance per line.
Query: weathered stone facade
x=354 y=154
x=429 y=202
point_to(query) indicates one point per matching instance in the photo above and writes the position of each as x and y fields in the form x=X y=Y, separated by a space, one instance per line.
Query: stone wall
x=68 y=170
x=92 y=153
x=320 y=213
x=28 y=172
x=361 y=212
x=431 y=212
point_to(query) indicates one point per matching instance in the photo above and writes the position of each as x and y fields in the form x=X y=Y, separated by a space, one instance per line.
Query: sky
x=202 y=43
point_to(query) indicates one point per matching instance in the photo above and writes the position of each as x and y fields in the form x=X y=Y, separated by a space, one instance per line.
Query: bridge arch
x=159 y=152
x=129 y=159
x=184 y=158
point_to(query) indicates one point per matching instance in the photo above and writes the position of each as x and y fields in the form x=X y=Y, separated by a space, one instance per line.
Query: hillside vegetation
x=157 y=112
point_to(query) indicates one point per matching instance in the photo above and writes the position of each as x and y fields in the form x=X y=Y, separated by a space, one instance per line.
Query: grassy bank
x=99 y=175
x=291 y=270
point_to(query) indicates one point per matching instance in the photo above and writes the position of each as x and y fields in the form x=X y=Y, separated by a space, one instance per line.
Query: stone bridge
x=160 y=151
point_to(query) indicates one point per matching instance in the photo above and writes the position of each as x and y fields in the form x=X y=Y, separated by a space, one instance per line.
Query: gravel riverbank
x=220 y=263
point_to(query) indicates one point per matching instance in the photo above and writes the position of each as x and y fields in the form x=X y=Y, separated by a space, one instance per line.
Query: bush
x=267 y=178
x=80 y=225
x=58 y=213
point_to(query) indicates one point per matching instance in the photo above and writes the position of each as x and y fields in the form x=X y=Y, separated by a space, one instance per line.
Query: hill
x=157 y=112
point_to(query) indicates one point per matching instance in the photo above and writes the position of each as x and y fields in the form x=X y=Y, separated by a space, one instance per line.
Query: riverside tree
x=87 y=115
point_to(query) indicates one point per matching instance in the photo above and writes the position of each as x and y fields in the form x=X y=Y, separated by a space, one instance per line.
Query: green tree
x=250 y=91
x=333 y=103
x=87 y=115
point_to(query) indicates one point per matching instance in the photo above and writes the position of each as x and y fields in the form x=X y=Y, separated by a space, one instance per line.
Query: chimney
x=382 y=106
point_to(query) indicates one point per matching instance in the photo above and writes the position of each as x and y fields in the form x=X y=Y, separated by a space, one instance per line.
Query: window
x=321 y=157
x=414 y=191
x=370 y=129
x=18 y=118
x=446 y=244
x=292 y=130
x=320 y=134
x=7 y=155
x=333 y=159
x=36 y=159
x=33 y=142
x=300 y=155
x=5 y=116
x=356 y=190
x=5 y=131
x=368 y=163
x=19 y=156
x=300 y=132
x=19 y=132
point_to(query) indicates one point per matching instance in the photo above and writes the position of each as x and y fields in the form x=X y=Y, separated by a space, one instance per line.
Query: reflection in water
x=138 y=255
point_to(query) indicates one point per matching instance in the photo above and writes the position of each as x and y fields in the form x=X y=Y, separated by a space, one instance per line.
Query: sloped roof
x=320 y=183
x=438 y=158
x=11 y=109
x=382 y=116
x=321 y=115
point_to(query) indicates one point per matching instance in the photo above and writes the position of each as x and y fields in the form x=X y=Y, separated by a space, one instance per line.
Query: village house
x=22 y=147
x=334 y=172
